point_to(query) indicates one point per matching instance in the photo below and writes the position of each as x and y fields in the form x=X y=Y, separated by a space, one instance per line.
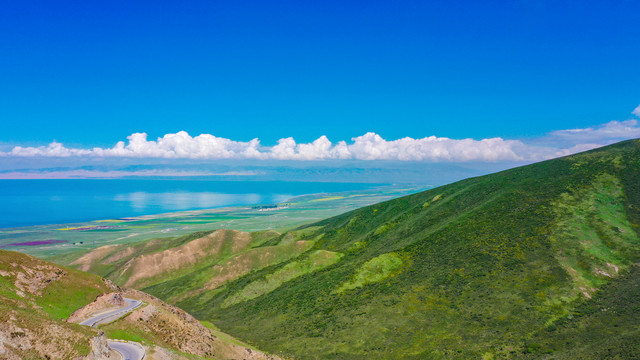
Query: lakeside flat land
x=59 y=239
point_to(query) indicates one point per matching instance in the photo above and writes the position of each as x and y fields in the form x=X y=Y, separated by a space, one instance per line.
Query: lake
x=58 y=201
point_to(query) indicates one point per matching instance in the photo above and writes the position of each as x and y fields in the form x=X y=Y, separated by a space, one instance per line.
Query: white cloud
x=369 y=146
x=611 y=130
x=53 y=149
x=182 y=145
x=320 y=149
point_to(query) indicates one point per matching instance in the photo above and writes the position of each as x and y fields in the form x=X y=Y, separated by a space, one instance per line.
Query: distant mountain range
x=389 y=172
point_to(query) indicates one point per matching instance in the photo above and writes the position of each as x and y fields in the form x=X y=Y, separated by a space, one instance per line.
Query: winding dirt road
x=128 y=349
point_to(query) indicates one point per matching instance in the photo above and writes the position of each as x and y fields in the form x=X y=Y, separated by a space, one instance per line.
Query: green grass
x=373 y=271
x=62 y=298
x=605 y=327
x=121 y=330
x=225 y=337
x=8 y=289
x=128 y=335
x=315 y=261
x=59 y=298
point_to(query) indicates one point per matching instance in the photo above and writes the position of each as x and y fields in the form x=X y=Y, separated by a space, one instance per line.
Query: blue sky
x=89 y=74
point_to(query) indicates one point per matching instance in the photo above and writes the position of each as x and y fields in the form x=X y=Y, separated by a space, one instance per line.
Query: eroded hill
x=41 y=304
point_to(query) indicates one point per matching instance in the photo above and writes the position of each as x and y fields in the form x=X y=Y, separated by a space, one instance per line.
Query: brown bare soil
x=128 y=251
x=183 y=332
x=151 y=265
x=86 y=260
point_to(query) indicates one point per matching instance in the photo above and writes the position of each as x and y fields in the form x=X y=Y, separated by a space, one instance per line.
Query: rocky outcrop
x=183 y=332
x=33 y=279
x=100 y=350
x=22 y=335
x=102 y=303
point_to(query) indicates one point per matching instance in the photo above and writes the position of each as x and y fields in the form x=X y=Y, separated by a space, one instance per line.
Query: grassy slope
x=222 y=259
x=38 y=314
x=75 y=287
x=475 y=268
x=605 y=327
x=103 y=262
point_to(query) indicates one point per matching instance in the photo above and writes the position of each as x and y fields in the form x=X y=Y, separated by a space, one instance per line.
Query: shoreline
x=300 y=210
x=155 y=201
x=198 y=211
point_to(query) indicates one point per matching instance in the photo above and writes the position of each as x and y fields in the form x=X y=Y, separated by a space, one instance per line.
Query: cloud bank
x=369 y=146
x=112 y=174
x=611 y=130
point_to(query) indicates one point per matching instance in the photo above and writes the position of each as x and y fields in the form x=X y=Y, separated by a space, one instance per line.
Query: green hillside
x=32 y=308
x=605 y=327
x=473 y=269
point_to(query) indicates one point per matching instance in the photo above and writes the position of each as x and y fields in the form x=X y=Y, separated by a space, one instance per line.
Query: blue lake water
x=37 y=202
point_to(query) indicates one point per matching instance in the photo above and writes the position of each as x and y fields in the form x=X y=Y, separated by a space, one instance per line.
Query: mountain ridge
x=485 y=262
